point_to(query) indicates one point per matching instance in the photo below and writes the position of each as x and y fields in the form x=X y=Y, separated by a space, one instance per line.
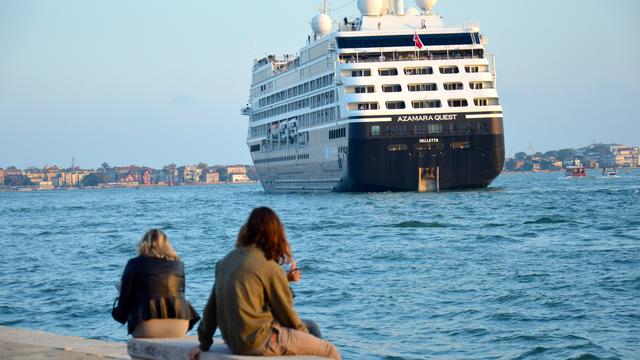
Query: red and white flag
x=417 y=41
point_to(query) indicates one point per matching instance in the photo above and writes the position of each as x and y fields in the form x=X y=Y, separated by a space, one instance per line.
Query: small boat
x=612 y=174
x=574 y=171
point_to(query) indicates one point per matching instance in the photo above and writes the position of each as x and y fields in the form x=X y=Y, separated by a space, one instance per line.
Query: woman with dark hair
x=251 y=301
x=151 y=299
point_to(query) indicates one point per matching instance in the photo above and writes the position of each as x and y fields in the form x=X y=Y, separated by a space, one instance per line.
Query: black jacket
x=153 y=289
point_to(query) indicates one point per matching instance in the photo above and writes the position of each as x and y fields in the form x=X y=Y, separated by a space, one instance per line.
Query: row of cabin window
x=428 y=128
x=423 y=70
x=474 y=85
x=423 y=104
x=297 y=90
x=309 y=119
x=325 y=98
x=337 y=133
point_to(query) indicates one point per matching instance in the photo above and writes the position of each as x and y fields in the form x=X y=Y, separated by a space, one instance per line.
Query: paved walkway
x=36 y=345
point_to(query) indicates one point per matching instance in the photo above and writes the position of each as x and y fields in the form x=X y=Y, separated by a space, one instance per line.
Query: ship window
x=337 y=133
x=476 y=85
x=457 y=102
x=397 y=147
x=424 y=70
x=359 y=42
x=255 y=147
x=434 y=128
x=476 y=68
x=420 y=129
x=359 y=89
x=449 y=70
x=486 y=101
x=363 y=106
x=453 y=86
x=375 y=130
x=397 y=129
x=357 y=73
x=460 y=145
x=395 y=105
x=423 y=87
x=472 y=69
x=388 y=72
x=391 y=88
x=424 y=104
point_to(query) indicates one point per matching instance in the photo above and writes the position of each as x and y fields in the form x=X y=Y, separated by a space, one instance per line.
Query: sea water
x=535 y=266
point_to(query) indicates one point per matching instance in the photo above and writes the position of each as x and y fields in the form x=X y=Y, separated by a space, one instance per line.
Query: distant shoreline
x=29 y=189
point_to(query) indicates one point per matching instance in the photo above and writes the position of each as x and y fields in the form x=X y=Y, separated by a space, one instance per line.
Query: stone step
x=178 y=349
x=39 y=345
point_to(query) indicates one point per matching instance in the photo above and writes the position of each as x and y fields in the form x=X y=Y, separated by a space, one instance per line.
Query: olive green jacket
x=249 y=294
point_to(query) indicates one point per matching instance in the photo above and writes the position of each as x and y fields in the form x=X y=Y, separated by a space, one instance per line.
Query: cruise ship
x=391 y=100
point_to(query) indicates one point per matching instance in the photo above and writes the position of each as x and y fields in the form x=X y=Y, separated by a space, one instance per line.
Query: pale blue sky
x=153 y=82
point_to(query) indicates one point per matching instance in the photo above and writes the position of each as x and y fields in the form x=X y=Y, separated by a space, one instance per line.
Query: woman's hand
x=294 y=274
x=194 y=354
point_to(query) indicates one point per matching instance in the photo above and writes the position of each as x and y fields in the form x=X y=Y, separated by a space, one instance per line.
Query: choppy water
x=533 y=267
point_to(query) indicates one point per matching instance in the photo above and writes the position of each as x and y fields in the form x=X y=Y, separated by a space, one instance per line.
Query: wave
x=548 y=220
x=419 y=224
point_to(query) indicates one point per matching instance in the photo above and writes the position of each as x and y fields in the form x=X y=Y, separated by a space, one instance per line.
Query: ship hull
x=460 y=154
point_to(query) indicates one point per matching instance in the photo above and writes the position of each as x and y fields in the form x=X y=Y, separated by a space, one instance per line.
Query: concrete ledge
x=178 y=349
x=28 y=344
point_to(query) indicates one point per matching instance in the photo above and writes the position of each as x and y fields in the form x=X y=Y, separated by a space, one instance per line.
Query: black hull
x=453 y=159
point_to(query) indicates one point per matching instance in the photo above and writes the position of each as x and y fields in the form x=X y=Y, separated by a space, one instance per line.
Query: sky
x=153 y=82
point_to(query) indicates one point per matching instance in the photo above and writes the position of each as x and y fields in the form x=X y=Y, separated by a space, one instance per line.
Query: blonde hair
x=156 y=244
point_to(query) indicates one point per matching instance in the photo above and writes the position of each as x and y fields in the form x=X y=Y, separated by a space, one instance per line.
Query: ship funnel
x=400 y=7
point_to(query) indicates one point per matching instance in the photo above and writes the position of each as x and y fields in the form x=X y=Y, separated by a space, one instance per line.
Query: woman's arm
x=125 y=300
x=280 y=299
x=209 y=322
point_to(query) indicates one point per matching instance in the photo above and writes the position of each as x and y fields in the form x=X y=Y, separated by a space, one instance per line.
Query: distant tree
x=104 y=166
x=551 y=154
x=566 y=154
x=510 y=164
x=12 y=168
x=17 y=180
x=601 y=149
x=93 y=179
x=32 y=169
x=520 y=155
x=202 y=165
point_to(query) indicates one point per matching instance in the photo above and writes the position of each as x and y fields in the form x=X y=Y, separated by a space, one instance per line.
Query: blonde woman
x=151 y=300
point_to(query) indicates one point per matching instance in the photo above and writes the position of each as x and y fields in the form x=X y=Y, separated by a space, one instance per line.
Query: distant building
x=3 y=173
x=69 y=178
x=625 y=156
x=210 y=176
x=189 y=174
x=147 y=179
x=45 y=185
x=237 y=178
x=159 y=177
x=35 y=176
x=236 y=170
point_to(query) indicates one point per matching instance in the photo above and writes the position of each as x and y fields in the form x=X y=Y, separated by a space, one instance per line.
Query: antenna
x=325 y=7
x=73 y=162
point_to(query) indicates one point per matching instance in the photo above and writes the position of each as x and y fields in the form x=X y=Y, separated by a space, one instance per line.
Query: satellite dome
x=321 y=24
x=426 y=5
x=370 y=7
x=412 y=12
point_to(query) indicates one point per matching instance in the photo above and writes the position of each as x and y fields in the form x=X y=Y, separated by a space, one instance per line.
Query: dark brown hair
x=264 y=230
